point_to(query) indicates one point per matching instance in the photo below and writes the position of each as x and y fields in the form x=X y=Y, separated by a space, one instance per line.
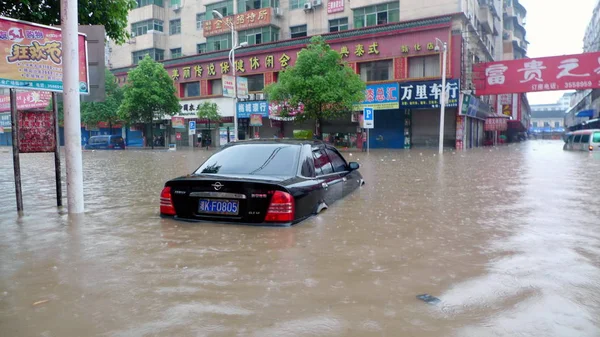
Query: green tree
x=112 y=14
x=209 y=111
x=93 y=113
x=321 y=82
x=148 y=95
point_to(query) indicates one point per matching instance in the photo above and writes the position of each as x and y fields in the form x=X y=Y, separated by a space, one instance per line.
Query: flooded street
x=507 y=238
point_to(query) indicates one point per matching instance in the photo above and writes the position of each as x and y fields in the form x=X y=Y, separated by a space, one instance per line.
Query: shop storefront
x=388 y=130
x=421 y=102
x=471 y=124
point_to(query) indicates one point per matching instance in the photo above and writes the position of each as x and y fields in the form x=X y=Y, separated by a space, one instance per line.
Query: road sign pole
x=368 y=140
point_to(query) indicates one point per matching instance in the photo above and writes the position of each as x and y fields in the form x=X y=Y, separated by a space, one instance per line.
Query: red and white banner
x=566 y=72
x=335 y=6
x=496 y=124
x=27 y=100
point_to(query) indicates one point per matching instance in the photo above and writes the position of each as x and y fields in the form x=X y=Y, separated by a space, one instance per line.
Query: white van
x=583 y=140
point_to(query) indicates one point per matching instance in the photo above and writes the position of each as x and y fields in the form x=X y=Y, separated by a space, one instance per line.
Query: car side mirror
x=353 y=166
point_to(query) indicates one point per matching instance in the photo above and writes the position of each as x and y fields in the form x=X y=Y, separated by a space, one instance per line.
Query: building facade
x=585 y=107
x=548 y=120
x=390 y=44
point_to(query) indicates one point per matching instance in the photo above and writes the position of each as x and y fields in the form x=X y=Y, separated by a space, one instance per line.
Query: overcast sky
x=555 y=28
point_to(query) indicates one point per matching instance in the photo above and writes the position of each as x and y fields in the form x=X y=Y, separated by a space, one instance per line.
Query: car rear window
x=596 y=138
x=259 y=159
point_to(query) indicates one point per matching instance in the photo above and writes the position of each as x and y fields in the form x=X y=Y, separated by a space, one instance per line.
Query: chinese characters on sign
x=31 y=57
x=581 y=71
x=251 y=19
x=36 y=131
x=27 y=100
x=335 y=6
x=427 y=94
x=380 y=97
x=246 y=109
x=496 y=124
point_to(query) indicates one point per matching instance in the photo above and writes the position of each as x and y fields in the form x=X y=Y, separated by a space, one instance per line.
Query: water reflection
x=505 y=237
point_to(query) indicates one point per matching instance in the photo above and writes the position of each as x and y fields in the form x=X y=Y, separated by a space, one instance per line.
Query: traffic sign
x=192 y=127
x=368 y=118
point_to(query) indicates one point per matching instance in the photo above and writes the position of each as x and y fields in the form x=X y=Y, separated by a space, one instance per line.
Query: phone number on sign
x=579 y=84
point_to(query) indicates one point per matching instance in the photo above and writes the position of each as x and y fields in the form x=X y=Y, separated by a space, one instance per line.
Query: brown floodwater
x=507 y=238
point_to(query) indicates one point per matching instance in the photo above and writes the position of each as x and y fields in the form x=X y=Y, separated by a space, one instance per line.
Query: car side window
x=322 y=163
x=577 y=138
x=585 y=139
x=308 y=168
x=339 y=164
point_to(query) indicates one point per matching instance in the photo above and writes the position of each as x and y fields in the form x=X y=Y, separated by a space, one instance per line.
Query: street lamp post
x=234 y=46
x=443 y=93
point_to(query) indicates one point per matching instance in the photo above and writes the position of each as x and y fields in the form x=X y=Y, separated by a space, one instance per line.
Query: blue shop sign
x=380 y=97
x=245 y=109
x=5 y=120
x=426 y=94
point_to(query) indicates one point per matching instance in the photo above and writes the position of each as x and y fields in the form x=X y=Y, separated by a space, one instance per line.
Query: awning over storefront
x=585 y=113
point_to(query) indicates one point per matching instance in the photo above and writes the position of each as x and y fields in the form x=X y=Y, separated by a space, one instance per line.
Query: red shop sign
x=36 y=131
x=566 y=72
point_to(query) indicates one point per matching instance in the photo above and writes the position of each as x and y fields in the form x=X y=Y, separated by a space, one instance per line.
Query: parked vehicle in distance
x=262 y=182
x=105 y=142
x=583 y=140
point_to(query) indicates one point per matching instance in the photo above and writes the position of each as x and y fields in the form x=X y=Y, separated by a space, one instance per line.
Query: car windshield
x=250 y=159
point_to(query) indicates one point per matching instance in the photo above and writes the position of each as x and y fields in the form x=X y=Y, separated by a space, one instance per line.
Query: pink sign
x=335 y=6
x=27 y=100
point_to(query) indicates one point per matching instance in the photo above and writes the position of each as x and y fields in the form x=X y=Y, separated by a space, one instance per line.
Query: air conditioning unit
x=176 y=8
x=260 y=97
x=307 y=6
x=278 y=11
x=317 y=3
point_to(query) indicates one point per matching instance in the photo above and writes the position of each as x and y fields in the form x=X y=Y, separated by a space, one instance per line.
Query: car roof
x=282 y=141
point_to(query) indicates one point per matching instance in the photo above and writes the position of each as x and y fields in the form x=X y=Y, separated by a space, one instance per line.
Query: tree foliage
x=208 y=110
x=148 y=94
x=321 y=82
x=93 y=113
x=112 y=14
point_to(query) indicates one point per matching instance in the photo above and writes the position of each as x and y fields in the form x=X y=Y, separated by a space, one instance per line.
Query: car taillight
x=282 y=208
x=166 y=204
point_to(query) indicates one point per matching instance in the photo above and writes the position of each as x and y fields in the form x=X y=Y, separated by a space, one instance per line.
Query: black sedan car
x=262 y=182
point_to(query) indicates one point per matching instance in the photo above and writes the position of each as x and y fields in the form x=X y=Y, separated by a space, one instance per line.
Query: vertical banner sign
x=31 y=57
x=242 y=87
x=36 y=131
x=178 y=135
x=228 y=85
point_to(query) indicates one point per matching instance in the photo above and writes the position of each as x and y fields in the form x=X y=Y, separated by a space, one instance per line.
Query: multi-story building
x=390 y=44
x=548 y=120
x=585 y=109
x=515 y=43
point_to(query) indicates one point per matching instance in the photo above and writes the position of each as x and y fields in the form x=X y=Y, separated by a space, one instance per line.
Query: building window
x=424 y=66
x=142 y=27
x=201 y=48
x=297 y=4
x=557 y=124
x=248 y=5
x=175 y=27
x=191 y=89
x=216 y=87
x=175 y=53
x=547 y=124
x=376 y=15
x=256 y=82
x=155 y=54
x=338 y=25
x=219 y=42
x=259 y=35
x=535 y=124
x=376 y=71
x=298 y=31
x=223 y=7
x=175 y=3
x=142 y=3
x=200 y=20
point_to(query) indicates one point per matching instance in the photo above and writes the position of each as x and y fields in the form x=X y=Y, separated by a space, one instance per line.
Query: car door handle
x=325 y=186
